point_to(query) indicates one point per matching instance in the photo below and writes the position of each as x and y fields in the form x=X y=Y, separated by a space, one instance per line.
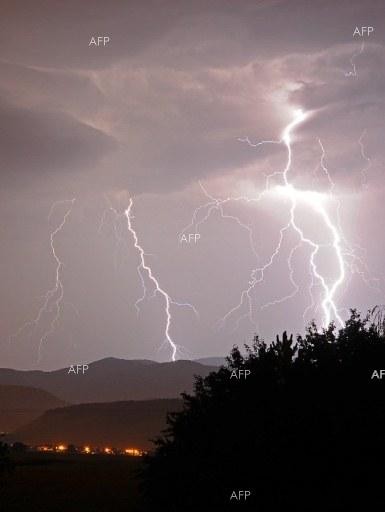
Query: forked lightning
x=316 y=202
x=53 y=299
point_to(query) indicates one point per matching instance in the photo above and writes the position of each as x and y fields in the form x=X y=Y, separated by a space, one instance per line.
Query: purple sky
x=156 y=112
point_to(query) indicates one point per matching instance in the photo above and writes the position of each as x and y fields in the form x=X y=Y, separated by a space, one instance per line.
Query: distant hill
x=20 y=405
x=212 y=361
x=117 y=424
x=111 y=380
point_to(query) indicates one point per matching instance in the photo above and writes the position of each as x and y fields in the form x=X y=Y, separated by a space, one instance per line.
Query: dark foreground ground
x=71 y=483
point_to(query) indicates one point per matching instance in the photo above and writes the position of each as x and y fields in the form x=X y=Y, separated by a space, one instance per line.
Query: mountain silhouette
x=212 y=361
x=111 y=379
x=20 y=405
x=117 y=424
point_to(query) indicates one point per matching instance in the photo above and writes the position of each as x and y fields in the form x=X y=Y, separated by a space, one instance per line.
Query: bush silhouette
x=306 y=429
x=6 y=465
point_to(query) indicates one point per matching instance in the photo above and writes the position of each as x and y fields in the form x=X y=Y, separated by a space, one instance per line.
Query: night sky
x=169 y=109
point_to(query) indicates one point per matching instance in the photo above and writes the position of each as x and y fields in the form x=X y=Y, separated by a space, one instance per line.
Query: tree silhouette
x=6 y=466
x=305 y=429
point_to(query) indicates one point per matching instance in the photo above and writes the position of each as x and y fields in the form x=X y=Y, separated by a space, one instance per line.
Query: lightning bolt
x=120 y=240
x=215 y=204
x=146 y=274
x=353 y=71
x=145 y=270
x=346 y=256
x=53 y=299
x=314 y=201
x=364 y=171
x=353 y=260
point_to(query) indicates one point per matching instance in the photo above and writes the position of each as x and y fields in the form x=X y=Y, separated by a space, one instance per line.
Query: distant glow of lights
x=134 y=452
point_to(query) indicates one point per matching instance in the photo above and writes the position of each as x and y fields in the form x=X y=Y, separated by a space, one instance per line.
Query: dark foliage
x=305 y=430
x=6 y=465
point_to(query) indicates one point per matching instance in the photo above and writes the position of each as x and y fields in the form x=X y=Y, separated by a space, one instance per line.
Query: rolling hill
x=20 y=405
x=212 y=361
x=111 y=380
x=117 y=424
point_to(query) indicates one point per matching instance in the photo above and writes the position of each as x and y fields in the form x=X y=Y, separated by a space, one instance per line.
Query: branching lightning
x=146 y=273
x=53 y=299
x=217 y=205
x=143 y=267
x=317 y=203
x=345 y=256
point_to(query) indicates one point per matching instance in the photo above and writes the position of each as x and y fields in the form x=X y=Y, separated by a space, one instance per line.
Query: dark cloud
x=35 y=144
x=216 y=32
x=180 y=81
x=69 y=25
